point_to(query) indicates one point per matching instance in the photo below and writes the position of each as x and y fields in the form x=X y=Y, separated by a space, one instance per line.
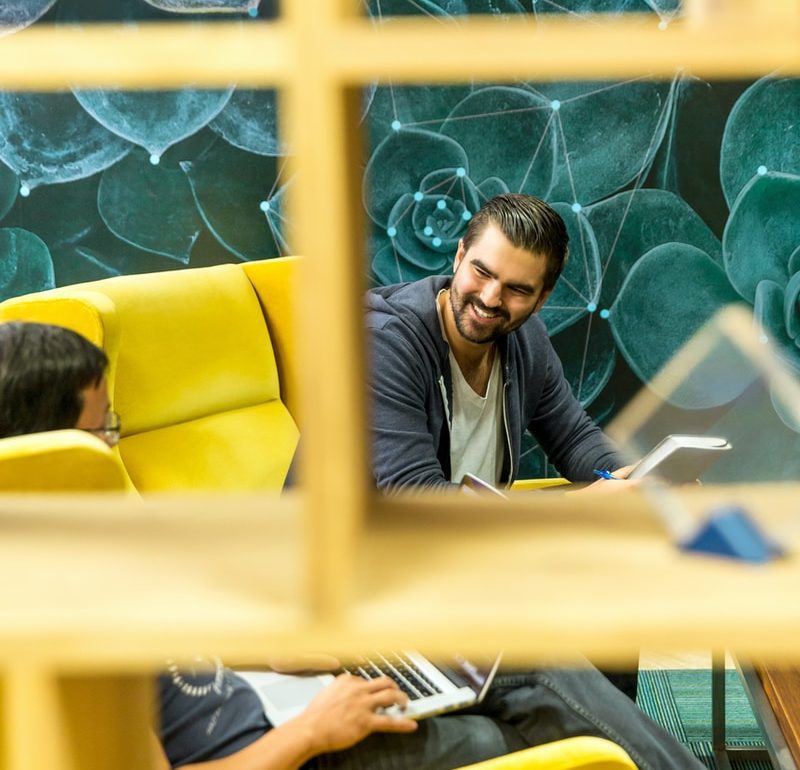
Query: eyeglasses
x=110 y=431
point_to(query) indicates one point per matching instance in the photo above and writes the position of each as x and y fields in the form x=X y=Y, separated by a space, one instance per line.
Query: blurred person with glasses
x=110 y=431
x=52 y=378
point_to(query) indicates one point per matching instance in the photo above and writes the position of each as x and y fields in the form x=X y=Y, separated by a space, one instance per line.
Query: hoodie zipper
x=508 y=435
x=443 y=390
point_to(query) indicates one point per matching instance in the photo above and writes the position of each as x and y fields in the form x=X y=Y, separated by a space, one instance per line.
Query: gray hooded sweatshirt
x=412 y=393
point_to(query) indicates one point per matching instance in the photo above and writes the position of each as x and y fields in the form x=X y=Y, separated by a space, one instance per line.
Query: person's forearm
x=286 y=747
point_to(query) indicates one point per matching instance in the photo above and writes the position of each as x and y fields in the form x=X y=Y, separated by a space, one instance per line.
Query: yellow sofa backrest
x=275 y=281
x=192 y=372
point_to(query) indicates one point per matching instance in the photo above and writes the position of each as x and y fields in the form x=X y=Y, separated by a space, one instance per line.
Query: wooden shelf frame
x=721 y=39
x=319 y=54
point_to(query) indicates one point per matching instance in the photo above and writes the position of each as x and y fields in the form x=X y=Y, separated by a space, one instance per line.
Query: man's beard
x=476 y=334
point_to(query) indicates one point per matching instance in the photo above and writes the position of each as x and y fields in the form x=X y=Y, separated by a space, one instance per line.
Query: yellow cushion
x=193 y=343
x=248 y=448
x=585 y=753
x=86 y=312
x=59 y=461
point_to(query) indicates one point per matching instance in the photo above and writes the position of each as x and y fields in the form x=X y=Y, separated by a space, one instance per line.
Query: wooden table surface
x=782 y=687
x=88 y=582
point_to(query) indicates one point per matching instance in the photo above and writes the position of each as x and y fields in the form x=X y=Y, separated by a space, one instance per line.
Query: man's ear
x=542 y=299
x=460 y=252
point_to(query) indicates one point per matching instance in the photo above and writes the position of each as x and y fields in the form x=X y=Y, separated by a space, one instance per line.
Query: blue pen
x=606 y=475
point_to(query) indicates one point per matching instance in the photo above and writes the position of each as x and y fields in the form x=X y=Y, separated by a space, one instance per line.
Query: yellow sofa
x=201 y=369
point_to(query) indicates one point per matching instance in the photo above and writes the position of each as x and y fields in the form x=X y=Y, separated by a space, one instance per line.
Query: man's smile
x=484 y=313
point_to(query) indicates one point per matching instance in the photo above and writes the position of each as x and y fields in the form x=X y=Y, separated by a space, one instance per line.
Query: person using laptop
x=211 y=718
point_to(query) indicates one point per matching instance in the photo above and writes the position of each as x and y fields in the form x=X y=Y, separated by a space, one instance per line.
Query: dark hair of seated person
x=43 y=372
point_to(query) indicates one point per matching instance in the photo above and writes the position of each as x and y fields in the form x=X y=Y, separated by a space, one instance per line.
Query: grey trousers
x=521 y=710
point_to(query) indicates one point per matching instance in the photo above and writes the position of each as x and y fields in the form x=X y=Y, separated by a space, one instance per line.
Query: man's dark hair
x=528 y=223
x=43 y=370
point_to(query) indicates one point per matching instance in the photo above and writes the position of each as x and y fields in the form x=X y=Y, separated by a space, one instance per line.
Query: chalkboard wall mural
x=680 y=195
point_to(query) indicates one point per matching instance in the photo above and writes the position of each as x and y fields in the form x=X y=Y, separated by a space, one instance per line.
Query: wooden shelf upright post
x=321 y=117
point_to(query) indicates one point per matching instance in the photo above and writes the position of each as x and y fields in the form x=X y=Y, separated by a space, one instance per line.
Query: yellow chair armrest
x=584 y=753
x=59 y=461
x=525 y=485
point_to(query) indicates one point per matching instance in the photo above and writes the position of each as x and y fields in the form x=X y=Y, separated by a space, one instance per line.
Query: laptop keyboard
x=398 y=667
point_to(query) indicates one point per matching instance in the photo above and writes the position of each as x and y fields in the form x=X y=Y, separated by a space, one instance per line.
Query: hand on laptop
x=346 y=712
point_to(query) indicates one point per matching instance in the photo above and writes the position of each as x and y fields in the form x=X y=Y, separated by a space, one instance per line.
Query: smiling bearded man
x=462 y=366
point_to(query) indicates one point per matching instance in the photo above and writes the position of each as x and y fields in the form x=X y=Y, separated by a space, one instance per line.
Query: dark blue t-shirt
x=207 y=713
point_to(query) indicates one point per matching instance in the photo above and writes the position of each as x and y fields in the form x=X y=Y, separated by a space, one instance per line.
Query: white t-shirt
x=476 y=436
x=476 y=429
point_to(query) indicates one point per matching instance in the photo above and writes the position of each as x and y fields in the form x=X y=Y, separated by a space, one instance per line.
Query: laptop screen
x=476 y=673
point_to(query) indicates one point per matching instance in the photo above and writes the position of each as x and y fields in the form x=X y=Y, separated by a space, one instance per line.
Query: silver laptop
x=432 y=688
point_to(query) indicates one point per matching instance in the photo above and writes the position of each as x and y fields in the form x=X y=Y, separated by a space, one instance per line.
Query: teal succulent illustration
x=680 y=196
x=572 y=144
x=760 y=254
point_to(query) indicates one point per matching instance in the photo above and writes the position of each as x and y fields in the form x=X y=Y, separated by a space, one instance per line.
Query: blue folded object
x=730 y=531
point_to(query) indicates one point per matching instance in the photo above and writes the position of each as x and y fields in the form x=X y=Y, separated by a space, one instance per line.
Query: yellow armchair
x=200 y=369
x=586 y=753
x=59 y=461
